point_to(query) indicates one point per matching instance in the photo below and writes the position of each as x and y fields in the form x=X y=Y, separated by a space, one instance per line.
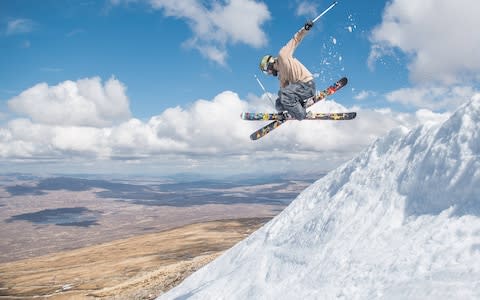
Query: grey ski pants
x=290 y=98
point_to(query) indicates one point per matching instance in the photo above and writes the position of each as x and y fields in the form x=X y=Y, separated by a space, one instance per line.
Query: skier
x=296 y=82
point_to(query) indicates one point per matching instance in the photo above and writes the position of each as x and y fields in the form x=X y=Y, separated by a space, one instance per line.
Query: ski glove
x=308 y=25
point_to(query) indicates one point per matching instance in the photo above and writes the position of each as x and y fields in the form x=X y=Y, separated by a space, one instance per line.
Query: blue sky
x=143 y=48
x=132 y=84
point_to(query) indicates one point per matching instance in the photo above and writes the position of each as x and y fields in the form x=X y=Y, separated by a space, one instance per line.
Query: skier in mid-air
x=296 y=81
x=297 y=88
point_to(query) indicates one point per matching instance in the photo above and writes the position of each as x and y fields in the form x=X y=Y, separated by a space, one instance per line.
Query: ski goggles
x=266 y=65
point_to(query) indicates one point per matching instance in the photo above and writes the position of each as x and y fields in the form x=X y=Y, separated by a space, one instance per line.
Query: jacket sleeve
x=290 y=47
x=283 y=83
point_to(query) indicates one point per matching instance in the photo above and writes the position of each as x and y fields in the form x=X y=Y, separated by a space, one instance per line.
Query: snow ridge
x=401 y=220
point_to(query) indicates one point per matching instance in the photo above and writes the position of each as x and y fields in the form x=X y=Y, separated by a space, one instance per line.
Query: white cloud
x=362 y=95
x=208 y=135
x=306 y=8
x=428 y=116
x=19 y=26
x=217 y=25
x=433 y=98
x=85 y=102
x=438 y=36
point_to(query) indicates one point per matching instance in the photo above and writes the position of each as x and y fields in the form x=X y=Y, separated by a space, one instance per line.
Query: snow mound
x=401 y=220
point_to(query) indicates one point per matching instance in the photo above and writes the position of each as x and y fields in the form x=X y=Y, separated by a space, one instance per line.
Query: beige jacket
x=289 y=69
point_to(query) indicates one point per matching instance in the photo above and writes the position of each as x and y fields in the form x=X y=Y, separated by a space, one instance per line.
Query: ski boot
x=284 y=115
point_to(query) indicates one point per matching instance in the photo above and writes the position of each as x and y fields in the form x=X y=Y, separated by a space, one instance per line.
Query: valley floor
x=140 y=267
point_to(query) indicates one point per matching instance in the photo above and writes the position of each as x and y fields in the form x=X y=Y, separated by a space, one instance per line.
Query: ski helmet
x=266 y=63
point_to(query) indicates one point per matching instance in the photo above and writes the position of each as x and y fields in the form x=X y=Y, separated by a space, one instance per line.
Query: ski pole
x=324 y=12
x=264 y=90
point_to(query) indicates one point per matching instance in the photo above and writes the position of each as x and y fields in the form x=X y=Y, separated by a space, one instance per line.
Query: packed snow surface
x=400 y=221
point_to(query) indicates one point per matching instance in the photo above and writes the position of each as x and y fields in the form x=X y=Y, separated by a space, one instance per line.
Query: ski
x=309 y=102
x=315 y=116
x=333 y=116
x=266 y=129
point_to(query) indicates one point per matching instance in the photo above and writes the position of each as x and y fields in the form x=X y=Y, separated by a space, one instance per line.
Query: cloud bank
x=438 y=36
x=89 y=120
x=83 y=103
x=432 y=98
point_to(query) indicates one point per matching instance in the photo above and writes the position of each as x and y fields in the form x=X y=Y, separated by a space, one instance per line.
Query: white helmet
x=266 y=65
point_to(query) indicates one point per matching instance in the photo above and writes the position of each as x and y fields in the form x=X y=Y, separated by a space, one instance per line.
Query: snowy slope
x=400 y=221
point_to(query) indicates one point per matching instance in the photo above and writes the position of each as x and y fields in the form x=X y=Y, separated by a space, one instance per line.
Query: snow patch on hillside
x=401 y=220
